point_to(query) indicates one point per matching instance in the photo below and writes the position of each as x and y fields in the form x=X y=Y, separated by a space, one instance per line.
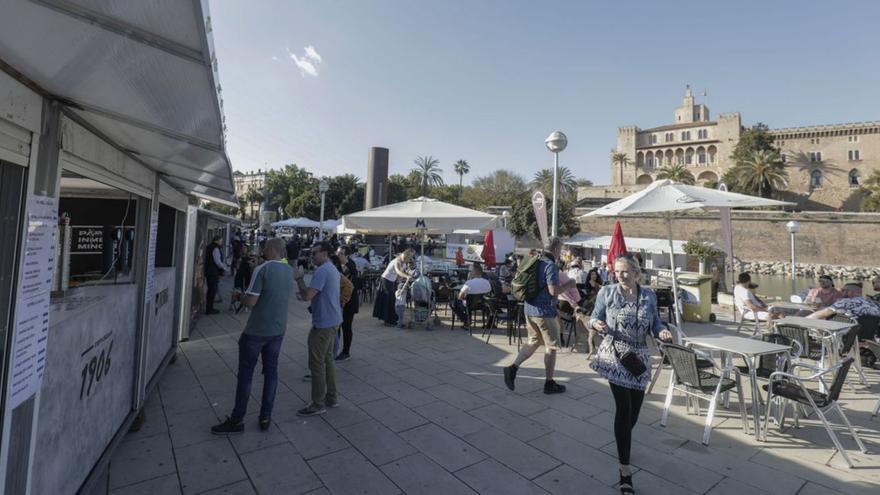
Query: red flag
x=488 y=253
x=618 y=245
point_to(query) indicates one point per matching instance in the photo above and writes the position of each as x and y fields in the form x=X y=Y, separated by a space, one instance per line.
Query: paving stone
x=674 y=469
x=577 y=429
x=141 y=459
x=645 y=482
x=313 y=437
x=565 y=480
x=463 y=381
x=521 y=427
x=183 y=400
x=457 y=397
x=167 y=484
x=443 y=447
x=406 y=394
x=192 y=427
x=346 y=414
x=379 y=444
x=565 y=403
x=451 y=418
x=347 y=471
x=521 y=457
x=580 y=456
x=513 y=401
x=208 y=465
x=279 y=469
x=240 y=488
x=418 y=475
x=417 y=378
x=254 y=438
x=743 y=471
x=490 y=478
x=730 y=486
x=394 y=415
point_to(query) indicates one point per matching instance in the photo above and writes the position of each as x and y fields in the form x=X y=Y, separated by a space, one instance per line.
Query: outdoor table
x=790 y=308
x=831 y=331
x=750 y=350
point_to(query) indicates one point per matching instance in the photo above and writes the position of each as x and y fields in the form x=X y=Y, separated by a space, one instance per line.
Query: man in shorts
x=541 y=319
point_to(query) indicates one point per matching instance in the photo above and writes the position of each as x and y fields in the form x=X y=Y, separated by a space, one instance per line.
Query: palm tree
x=763 y=171
x=427 y=171
x=543 y=181
x=677 y=173
x=461 y=167
x=621 y=160
x=253 y=197
x=871 y=191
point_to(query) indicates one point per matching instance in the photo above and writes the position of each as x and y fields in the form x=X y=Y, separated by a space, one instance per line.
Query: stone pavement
x=428 y=413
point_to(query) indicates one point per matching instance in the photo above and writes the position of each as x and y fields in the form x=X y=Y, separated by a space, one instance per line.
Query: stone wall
x=839 y=239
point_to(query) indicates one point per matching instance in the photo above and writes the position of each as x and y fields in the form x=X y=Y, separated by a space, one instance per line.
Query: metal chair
x=699 y=384
x=809 y=348
x=771 y=363
x=792 y=388
x=742 y=320
x=849 y=348
x=704 y=360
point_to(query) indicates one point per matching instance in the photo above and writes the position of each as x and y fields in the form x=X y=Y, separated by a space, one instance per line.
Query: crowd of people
x=606 y=304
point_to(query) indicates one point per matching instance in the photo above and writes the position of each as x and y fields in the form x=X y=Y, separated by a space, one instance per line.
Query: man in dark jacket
x=350 y=271
x=214 y=269
x=292 y=248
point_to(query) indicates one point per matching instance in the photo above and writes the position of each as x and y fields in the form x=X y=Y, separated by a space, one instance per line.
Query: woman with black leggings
x=626 y=314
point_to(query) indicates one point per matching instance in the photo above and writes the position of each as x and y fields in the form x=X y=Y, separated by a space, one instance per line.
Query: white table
x=750 y=350
x=790 y=308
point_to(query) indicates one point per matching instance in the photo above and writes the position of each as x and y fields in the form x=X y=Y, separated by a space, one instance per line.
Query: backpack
x=346 y=288
x=525 y=284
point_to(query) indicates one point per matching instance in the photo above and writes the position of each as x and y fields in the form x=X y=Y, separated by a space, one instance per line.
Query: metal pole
x=793 y=289
x=321 y=228
x=553 y=231
x=678 y=319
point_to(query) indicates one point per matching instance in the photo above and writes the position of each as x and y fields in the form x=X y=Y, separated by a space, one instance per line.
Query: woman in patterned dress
x=626 y=313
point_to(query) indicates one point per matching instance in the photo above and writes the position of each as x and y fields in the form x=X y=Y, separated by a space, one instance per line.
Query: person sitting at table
x=823 y=296
x=876 y=284
x=475 y=285
x=748 y=304
x=852 y=303
x=576 y=272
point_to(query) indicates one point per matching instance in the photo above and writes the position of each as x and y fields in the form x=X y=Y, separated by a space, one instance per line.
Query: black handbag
x=629 y=359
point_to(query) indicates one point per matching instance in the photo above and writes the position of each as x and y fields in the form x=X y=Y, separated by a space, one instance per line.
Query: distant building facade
x=246 y=181
x=826 y=164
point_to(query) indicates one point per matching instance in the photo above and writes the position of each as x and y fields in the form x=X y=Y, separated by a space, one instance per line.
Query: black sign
x=86 y=239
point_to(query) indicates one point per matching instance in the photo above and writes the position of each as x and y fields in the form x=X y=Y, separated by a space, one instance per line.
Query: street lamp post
x=556 y=142
x=323 y=186
x=793 y=228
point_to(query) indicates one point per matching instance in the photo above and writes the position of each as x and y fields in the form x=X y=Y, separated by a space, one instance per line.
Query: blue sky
x=318 y=83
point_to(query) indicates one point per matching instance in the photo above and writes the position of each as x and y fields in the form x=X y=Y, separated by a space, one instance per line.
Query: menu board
x=32 y=304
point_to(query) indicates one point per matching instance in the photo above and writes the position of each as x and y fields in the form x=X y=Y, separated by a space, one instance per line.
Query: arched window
x=816 y=178
x=855 y=178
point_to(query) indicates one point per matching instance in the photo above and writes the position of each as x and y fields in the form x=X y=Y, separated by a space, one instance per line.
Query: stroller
x=422 y=296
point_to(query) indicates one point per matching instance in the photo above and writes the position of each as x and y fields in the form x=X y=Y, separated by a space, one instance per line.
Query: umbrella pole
x=678 y=317
x=422 y=260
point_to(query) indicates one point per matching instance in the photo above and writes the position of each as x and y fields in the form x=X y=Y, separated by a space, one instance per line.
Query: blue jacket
x=609 y=301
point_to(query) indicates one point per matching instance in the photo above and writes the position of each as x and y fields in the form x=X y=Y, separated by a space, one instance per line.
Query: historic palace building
x=826 y=163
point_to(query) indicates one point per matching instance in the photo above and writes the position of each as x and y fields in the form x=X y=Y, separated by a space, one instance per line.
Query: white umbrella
x=330 y=225
x=297 y=223
x=422 y=216
x=669 y=197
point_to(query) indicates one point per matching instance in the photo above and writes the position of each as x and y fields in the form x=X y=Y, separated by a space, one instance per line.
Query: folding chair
x=704 y=360
x=792 y=388
x=699 y=384
x=742 y=320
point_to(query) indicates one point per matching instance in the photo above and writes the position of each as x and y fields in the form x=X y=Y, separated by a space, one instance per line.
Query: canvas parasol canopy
x=618 y=245
x=297 y=223
x=419 y=216
x=670 y=198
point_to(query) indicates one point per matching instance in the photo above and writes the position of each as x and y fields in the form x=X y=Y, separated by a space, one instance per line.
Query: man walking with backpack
x=537 y=284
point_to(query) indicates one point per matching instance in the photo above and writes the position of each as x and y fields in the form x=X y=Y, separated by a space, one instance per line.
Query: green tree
x=461 y=167
x=428 y=171
x=282 y=186
x=253 y=197
x=495 y=189
x=871 y=191
x=621 y=160
x=757 y=138
x=221 y=208
x=399 y=188
x=543 y=181
x=522 y=218
x=677 y=173
x=762 y=173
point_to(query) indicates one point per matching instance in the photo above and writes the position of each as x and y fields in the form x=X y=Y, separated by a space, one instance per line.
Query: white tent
x=419 y=216
x=669 y=197
x=331 y=225
x=297 y=223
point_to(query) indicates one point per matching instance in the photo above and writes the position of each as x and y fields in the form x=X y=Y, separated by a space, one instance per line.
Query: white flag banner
x=539 y=202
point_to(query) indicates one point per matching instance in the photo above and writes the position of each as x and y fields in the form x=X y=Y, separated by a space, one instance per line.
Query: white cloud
x=274 y=58
x=310 y=61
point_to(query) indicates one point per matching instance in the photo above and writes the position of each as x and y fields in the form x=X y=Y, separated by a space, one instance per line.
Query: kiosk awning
x=141 y=74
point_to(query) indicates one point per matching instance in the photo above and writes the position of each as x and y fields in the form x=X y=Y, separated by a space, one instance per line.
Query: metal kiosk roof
x=140 y=74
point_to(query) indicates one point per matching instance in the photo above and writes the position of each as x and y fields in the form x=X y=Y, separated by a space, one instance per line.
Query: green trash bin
x=696 y=296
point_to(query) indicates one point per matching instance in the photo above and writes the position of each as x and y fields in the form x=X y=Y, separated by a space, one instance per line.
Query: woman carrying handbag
x=626 y=314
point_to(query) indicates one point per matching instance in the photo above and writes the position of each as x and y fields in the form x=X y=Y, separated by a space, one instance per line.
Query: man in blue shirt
x=324 y=295
x=268 y=293
x=541 y=322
